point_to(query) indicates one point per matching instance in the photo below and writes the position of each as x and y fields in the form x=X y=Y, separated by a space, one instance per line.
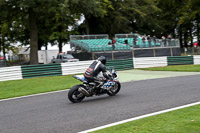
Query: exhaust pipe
x=84 y=91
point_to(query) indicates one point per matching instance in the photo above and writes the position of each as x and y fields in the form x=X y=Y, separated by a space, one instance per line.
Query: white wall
x=10 y=73
x=149 y=62
x=75 y=67
x=196 y=59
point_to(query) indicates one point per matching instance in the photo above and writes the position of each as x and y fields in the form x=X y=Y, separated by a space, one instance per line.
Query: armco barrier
x=19 y=72
x=180 y=60
x=196 y=59
x=121 y=64
x=10 y=73
x=41 y=70
x=150 y=62
x=75 y=67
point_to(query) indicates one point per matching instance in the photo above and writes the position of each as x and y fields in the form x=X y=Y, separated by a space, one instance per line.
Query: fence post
x=193 y=50
x=171 y=51
x=185 y=51
x=112 y=56
x=92 y=55
x=133 y=52
x=154 y=52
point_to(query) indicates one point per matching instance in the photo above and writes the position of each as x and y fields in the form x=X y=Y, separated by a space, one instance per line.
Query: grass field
x=185 y=120
x=30 y=86
x=182 y=68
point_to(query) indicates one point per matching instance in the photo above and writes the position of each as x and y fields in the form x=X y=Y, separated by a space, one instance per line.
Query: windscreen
x=68 y=56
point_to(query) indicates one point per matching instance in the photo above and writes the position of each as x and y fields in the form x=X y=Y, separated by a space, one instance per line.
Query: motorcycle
x=88 y=89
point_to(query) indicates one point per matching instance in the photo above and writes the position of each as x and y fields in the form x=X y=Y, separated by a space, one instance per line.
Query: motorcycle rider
x=94 y=69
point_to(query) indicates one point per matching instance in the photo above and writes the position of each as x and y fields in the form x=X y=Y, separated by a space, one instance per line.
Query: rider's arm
x=103 y=68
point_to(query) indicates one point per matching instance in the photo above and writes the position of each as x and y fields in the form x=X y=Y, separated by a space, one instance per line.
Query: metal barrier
x=136 y=41
x=75 y=67
x=80 y=67
x=124 y=42
x=127 y=35
x=150 y=62
x=10 y=73
x=121 y=64
x=190 y=51
x=15 y=73
x=31 y=71
x=83 y=37
x=196 y=59
x=90 y=43
x=180 y=60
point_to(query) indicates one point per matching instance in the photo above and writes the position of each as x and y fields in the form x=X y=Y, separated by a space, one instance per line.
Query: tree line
x=40 y=22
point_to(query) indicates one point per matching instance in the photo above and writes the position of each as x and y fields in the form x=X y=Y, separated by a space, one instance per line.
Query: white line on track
x=14 y=98
x=139 y=117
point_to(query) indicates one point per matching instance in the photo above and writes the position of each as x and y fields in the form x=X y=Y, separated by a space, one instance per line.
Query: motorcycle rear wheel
x=115 y=89
x=74 y=95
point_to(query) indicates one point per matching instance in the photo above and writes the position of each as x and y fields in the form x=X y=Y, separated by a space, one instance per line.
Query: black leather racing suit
x=94 y=69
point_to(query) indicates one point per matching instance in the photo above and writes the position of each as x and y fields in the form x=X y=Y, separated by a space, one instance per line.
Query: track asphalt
x=53 y=113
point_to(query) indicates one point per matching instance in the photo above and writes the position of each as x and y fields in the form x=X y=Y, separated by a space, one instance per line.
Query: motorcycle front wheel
x=115 y=89
x=74 y=95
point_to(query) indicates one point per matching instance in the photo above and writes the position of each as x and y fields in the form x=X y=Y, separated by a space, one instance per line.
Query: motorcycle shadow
x=99 y=99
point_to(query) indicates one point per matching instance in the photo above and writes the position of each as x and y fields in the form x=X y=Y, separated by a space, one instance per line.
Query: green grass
x=182 y=68
x=30 y=86
x=185 y=120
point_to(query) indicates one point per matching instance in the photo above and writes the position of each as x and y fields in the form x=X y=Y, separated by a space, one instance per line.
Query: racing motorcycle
x=88 y=89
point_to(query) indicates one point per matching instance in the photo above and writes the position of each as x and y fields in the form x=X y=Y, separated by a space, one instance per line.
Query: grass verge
x=30 y=86
x=185 y=120
x=182 y=68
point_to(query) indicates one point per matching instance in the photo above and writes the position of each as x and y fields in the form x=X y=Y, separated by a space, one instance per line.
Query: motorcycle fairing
x=80 y=77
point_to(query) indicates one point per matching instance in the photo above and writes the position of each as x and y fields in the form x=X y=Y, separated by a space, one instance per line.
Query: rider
x=94 y=69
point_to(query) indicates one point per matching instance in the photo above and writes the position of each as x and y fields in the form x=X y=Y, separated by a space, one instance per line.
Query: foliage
x=39 y=23
x=34 y=18
x=125 y=16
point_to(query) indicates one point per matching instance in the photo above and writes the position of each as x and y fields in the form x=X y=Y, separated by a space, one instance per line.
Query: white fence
x=75 y=67
x=149 y=62
x=10 y=73
x=196 y=59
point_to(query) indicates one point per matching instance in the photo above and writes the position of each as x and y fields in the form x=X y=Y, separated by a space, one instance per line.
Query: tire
x=116 y=89
x=73 y=93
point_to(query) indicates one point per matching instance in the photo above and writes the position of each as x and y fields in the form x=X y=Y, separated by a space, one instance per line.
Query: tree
x=96 y=8
x=190 y=13
x=125 y=16
x=60 y=26
x=25 y=10
x=29 y=14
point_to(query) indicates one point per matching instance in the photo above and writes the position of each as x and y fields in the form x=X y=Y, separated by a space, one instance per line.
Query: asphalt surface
x=53 y=113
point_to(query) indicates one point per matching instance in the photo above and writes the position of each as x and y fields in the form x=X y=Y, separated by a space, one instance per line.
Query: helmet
x=102 y=59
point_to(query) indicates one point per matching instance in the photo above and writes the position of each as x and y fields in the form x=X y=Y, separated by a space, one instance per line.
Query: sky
x=65 y=48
